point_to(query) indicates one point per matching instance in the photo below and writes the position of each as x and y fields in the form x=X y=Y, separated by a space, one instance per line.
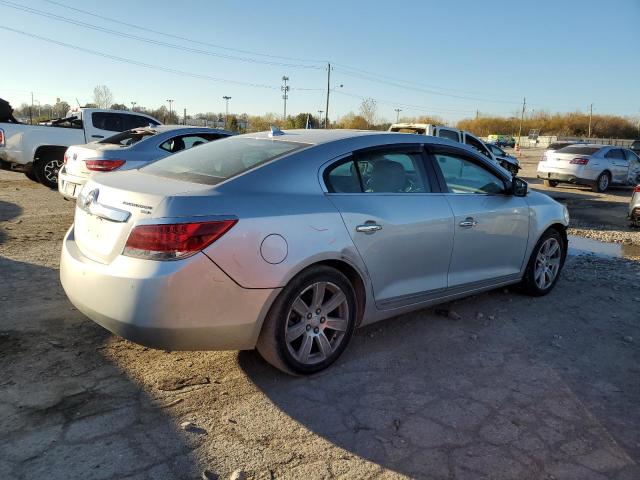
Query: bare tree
x=368 y=109
x=102 y=96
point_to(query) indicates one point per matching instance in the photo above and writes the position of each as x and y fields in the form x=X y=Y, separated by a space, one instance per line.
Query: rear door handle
x=97 y=136
x=368 y=227
x=468 y=222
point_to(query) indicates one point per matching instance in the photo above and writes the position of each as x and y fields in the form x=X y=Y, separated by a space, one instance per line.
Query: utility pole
x=285 y=90
x=185 y=116
x=326 y=110
x=31 y=111
x=226 y=114
x=524 y=104
x=397 y=110
x=477 y=114
x=170 y=102
x=133 y=106
x=320 y=118
x=590 y=117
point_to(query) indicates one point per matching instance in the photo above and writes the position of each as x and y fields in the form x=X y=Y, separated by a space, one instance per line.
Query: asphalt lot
x=517 y=388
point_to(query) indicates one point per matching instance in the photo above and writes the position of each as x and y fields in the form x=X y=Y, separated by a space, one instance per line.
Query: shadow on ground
x=8 y=212
x=512 y=394
x=65 y=411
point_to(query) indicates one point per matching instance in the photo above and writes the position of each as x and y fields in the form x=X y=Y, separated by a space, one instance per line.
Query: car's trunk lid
x=111 y=204
x=561 y=161
x=77 y=155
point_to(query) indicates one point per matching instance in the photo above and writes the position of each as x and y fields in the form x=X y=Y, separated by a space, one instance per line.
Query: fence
x=545 y=141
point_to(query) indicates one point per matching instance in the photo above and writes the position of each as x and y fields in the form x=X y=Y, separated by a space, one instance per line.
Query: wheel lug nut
x=318 y=312
x=316 y=330
x=309 y=316
x=308 y=327
x=322 y=320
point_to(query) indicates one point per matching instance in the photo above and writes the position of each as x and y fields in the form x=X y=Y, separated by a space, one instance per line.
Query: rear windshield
x=580 y=150
x=218 y=161
x=126 y=139
x=559 y=145
x=420 y=131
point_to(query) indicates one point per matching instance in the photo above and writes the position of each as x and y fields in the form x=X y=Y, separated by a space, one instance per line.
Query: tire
x=550 y=183
x=46 y=170
x=309 y=328
x=31 y=176
x=602 y=182
x=531 y=282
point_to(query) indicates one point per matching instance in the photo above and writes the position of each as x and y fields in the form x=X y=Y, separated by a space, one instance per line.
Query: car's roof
x=319 y=136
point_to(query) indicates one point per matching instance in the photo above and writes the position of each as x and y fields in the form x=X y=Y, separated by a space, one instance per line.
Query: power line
x=178 y=37
x=150 y=40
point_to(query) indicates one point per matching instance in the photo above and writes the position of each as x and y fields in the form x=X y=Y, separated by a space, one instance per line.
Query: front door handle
x=468 y=222
x=368 y=227
x=97 y=136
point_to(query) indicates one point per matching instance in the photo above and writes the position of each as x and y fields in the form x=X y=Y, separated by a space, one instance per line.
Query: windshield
x=220 y=160
x=128 y=138
x=580 y=150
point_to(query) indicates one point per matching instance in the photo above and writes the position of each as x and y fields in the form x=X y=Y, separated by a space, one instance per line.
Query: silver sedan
x=288 y=241
x=128 y=150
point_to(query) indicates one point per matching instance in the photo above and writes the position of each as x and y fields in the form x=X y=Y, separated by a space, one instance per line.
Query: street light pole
x=397 y=110
x=285 y=89
x=170 y=102
x=226 y=115
x=524 y=104
x=320 y=117
x=133 y=106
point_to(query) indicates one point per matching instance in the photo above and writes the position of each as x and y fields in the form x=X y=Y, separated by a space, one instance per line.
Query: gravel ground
x=517 y=387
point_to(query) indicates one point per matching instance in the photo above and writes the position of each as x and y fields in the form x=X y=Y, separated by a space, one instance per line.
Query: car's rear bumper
x=69 y=185
x=188 y=304
x=565 y=178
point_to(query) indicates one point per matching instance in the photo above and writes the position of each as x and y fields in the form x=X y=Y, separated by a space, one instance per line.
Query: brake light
x=174 y=241
x=65 y=158
x=1 y=138
x=579 y=161
x=103 y=165
x=637 y=189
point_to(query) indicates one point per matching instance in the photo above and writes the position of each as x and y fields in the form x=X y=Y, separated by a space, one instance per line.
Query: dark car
x=635 y=146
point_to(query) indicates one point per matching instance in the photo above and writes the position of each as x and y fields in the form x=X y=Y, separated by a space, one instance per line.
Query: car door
x=400 y=223
x=491 y=226
x=618 y=164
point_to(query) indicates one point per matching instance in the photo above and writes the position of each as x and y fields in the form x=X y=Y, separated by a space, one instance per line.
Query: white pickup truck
x=38 y=150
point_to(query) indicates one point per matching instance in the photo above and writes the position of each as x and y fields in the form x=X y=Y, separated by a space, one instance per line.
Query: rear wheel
x=551 y=183
x=602 y=182
x=310 y=323
x=46 y=170
x=545 y=264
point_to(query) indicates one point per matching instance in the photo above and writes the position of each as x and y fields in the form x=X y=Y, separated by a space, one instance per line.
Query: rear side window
x=615 y=153
x=580 y=150
x=465 y=176
x=450 y=134
x=378 y=172
x=184 y=142
x=218 y=161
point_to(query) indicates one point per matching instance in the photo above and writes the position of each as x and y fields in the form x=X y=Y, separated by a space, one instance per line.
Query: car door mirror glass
x=519 y=187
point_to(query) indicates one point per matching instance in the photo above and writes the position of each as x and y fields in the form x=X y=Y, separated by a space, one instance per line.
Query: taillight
x=1 y=138
x=579 y=161
x=65 y=158
x=173 y=241
x=103 y=165
x=637 y=189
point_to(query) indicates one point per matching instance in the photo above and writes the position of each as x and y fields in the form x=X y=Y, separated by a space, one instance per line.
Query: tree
x=353 y=121
x=368 y=109
x=60 y=109
x=118 y=106
x=102 y=96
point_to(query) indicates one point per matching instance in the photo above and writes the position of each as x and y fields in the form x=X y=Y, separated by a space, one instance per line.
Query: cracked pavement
x=517 y=388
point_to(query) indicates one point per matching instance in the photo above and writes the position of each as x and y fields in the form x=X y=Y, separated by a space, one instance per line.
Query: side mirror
x=519 y=188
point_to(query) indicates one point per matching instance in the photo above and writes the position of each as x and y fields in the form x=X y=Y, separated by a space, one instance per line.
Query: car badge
x=92 y=197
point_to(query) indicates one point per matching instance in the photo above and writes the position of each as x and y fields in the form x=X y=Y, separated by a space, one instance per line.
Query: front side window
x=496 y=150
x=137 y=121
x=218 y=161
x=631 y=156
x=465 y=176
x=478 y=145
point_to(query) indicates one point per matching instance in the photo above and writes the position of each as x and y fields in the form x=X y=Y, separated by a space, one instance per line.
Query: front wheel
x=545 y=264
x=310 y=323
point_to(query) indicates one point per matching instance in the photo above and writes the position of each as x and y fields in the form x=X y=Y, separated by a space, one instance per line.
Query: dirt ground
x=517 y=388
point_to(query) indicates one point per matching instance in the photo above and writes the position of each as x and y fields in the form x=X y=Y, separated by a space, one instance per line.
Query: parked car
x=450 y=133
x=128 y=150
x=286 y=242
x=634 y=207
x=507 y=161
x=38 y=150
x=598 y=166
x=502 y=140
x=635 y=146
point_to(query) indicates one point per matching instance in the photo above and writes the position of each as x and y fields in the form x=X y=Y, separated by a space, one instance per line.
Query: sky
x=449 y=59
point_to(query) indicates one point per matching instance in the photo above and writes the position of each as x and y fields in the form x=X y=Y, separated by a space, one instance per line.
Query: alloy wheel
x=547 y=263
x=51 y=169
x=317 y=323
x=603 y=182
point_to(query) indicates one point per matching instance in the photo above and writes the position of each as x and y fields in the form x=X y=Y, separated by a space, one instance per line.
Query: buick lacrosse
x=288 y=241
